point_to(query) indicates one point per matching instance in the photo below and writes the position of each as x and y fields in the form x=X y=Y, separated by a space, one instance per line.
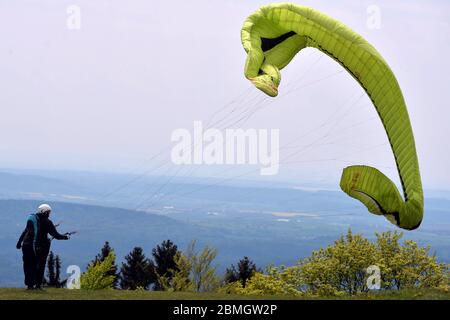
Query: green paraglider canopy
x=274 y=34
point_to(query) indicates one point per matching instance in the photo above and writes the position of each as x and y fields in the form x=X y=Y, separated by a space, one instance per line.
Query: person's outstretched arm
x=54 y=233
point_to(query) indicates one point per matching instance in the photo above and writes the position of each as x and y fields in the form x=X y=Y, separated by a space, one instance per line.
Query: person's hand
x=19 y=245
x=66 y=236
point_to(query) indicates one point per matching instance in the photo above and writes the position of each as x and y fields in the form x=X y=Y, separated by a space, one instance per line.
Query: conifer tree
x=136 y=272
x=244 y=271
x=59 y=283
x=51 y=277
x=164 y=263
x=53 y=271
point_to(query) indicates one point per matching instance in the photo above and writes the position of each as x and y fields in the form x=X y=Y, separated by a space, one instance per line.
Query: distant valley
x=270 y=224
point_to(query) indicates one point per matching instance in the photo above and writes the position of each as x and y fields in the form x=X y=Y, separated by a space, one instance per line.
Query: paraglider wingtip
x=266 y=87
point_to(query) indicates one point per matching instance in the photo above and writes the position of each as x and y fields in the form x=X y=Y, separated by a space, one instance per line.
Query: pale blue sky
x=108 y=96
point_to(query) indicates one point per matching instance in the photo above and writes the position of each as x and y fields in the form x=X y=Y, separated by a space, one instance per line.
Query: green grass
x=64 y=294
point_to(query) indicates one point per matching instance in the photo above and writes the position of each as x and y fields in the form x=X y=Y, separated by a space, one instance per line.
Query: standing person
x=35 y=245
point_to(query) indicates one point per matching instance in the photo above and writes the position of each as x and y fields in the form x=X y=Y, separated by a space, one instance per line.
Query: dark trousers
x=34 y=265
x=29 y=265
x=41 y=257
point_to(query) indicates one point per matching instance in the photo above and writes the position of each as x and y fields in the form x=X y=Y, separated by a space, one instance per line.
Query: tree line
x=168 y=269
x=340 y=268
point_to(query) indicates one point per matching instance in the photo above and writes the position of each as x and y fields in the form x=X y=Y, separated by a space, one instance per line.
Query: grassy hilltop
x=65 y=294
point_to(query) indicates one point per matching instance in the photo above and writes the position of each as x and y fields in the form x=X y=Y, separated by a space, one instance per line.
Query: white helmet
x=43 y=208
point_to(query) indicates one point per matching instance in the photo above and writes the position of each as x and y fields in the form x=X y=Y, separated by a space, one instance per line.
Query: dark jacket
x=36 y=232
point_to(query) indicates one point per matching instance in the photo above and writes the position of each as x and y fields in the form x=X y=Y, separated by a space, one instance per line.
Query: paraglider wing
x=274 y=34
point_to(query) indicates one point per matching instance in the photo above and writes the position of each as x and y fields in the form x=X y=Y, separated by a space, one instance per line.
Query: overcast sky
x=108 y=96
